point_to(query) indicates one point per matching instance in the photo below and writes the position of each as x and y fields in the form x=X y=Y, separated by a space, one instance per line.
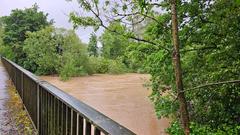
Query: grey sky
x=57 y=9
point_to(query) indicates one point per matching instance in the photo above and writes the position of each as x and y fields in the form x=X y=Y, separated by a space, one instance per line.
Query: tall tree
x=178 y=69
x=92 y=45
x=18 y=23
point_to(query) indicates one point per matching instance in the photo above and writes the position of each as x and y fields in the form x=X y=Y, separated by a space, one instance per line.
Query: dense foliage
x=41 y=53
x=103 y=65
x=52 y=51
x=114 y=45
x=219 y=55
x=17 y=24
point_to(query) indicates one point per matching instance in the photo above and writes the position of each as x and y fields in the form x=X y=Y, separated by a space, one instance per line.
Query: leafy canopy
x=21 y=21
x=114 y=45
x=16 y=25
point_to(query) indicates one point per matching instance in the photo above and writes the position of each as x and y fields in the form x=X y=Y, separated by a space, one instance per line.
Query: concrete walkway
x=6 y=124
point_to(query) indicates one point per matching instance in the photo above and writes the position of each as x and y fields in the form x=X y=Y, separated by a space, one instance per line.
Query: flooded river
x=121 y=97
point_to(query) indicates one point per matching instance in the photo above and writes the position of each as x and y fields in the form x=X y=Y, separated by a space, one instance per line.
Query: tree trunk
x=178 y=71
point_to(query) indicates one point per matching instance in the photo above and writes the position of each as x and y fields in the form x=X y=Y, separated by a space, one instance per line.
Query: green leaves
x=84 y=21
x=21 y=21
x=107 y=2
x=17 y=24
x=124 y=7
x=40 y=49
x=51 y=51
x=114 y=44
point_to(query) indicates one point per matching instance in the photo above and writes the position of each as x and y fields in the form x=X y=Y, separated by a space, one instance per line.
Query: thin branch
x=138 y=13
x=124 y=22
x=126 y=14
x=207 y=85
x=96 y=6
x=197 y=49
x=215 y=83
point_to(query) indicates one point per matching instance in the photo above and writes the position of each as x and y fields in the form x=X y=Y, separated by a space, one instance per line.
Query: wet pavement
x=7 y=126
x=120 y=97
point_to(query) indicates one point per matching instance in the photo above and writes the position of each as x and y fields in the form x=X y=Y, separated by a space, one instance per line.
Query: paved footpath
x=6 y=124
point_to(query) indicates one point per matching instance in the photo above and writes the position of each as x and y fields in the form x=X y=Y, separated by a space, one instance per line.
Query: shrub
x=116 y=67
x=102 y=65
x=7 y=52
x=70 y=70
x=40 y=49
x=56 y=51
x=73 y=65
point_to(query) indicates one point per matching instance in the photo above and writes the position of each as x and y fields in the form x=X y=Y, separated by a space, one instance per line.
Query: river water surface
x=120 y=97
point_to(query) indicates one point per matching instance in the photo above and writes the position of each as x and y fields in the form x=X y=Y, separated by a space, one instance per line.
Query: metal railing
x=54 y=112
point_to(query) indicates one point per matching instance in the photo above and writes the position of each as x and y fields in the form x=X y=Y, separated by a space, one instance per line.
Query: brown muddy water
x=123 y=98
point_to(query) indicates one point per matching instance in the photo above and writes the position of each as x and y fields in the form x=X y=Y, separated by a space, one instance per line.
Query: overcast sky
x=57 y=10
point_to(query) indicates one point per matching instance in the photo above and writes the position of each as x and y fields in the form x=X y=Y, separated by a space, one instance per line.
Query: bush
x=7 y=52
x=116 y=67
x=56 y=51
x=102 y=65
x=73 y=65
x=70 y=70
x=40 y=49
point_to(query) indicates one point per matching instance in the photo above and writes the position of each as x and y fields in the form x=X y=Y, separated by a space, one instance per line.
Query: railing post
x=38 y=96
x=22 y=85
x=71 y=131
x=15 y=76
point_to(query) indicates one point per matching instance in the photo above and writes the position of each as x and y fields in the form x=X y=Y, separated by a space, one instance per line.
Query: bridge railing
x=53 y=111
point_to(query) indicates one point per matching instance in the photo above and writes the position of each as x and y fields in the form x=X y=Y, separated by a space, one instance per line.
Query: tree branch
x=138 y=13
x=215 y=83
x=197 y=49
x=207 y=85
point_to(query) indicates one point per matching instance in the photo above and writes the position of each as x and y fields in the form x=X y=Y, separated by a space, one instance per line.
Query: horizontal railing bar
x=26 y=72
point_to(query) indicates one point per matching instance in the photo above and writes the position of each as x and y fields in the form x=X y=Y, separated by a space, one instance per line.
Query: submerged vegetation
x=190 y=48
